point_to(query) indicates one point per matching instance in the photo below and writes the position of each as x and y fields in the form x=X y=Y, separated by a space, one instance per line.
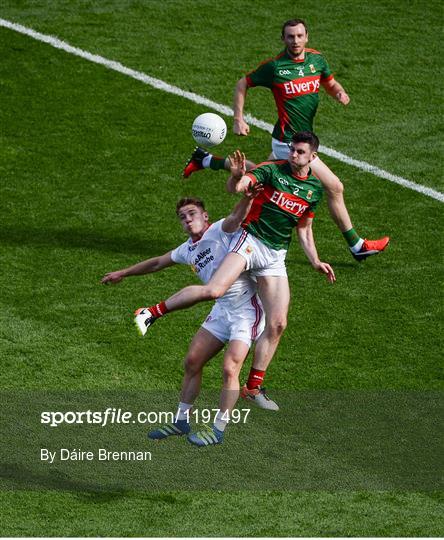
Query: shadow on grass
x=346 y=262
x=79 y=238
x=24 y=478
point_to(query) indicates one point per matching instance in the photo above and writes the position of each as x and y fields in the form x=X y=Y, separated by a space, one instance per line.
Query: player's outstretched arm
x=145 y=267
x=336 y=91
x=306 y=239
x=232 y=222
x=240 y=127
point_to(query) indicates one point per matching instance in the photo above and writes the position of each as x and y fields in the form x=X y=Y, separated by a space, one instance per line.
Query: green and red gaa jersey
x=295 y=86
x=286 y=198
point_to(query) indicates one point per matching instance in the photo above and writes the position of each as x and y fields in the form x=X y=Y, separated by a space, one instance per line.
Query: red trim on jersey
x=252 y=178
x=250 y=83
x=274 y=162
x=326 y=79
x=297 y=60
x=280 y=55
x=314 y=51
x=271 y=161
x=308 y=214
x=299 y=177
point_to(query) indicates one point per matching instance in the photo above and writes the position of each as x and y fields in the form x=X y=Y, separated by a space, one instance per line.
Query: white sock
x=220 y=423
x=357 y=246
x=182 y=411
x=206 y=161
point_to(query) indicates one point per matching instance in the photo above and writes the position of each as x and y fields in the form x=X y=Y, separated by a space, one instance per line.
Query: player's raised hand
x=240 y=127
x=237 y=164
x=325 y=268
x=112 y=277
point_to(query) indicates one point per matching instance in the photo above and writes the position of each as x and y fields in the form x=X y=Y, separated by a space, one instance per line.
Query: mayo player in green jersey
x=295 y=77
x=288 y=201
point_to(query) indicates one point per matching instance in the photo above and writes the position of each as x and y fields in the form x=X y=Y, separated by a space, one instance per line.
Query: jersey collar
x=200 y=237
x=296 y=176
x=299 y=61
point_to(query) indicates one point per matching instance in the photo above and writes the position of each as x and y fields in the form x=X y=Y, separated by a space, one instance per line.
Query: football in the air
x=209 y=129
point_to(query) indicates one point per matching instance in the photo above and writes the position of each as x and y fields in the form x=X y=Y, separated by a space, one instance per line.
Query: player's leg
x=203 y=347
x=360 y=248
x=227 y=273
x=201 y=159
x=231 y=268
x=274 y=292
x=234 y=357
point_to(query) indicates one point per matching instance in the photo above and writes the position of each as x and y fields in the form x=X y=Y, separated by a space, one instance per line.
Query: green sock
x=217 y=163
x=351 y=237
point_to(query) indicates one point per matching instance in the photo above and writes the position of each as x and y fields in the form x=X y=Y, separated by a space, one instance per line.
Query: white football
x=209 y=129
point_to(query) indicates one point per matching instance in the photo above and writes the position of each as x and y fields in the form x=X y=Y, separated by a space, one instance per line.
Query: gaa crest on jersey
x=312 y=68
x=309 y=194
x=248 y=250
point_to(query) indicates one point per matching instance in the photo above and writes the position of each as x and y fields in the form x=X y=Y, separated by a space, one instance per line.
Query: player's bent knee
x=276 y=327
x=213 y=292
x=192 y=364
x=231 y=371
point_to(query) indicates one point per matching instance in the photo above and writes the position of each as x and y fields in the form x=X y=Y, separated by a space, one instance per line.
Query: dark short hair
x=190 y=200
x=307 y=137
x=294 y=22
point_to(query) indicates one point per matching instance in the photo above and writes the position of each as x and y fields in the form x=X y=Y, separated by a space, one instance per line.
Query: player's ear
x=205 y=216
x=313 y=156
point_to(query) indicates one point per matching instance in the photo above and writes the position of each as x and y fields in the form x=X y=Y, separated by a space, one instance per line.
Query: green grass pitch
x=90 y=167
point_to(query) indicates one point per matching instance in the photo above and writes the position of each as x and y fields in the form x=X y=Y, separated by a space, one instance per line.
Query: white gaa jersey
x=206 y=255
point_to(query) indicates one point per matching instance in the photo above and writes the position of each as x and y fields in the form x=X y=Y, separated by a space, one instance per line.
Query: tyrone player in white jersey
x=237 y=317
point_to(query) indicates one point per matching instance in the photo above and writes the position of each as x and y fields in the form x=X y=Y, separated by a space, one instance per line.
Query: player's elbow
x=335 y=188
x=231 y=225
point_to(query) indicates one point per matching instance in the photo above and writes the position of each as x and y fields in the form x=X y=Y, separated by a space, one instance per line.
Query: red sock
x=158 y=310
x=255 y=378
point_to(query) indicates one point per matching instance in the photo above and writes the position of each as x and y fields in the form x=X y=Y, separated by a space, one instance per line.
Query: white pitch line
x=223 y=109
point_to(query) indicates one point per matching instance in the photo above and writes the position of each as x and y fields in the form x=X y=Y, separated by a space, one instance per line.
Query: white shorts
x=261 y=259
x=246 y=323
x=280 y=150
